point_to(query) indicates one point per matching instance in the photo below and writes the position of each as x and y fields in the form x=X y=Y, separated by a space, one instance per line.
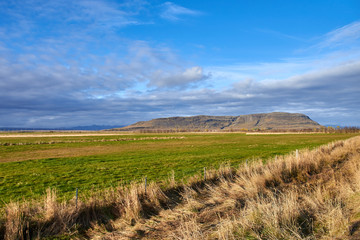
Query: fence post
x=204 y=173
x=145 y=184
x=297 y=153
x=76 y=198
x=27 y=230
x=173 y=177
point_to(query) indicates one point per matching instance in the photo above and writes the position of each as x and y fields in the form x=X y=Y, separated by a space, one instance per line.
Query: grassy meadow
x=29 y=164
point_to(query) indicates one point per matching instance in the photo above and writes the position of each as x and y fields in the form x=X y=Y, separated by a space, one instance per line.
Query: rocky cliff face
x=275 y=120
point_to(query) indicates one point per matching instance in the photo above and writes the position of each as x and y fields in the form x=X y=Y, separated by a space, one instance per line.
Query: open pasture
x=31 y=164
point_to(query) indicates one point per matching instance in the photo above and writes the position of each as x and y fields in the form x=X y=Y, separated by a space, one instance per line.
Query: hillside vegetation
x=312 y=194
x=275 y=120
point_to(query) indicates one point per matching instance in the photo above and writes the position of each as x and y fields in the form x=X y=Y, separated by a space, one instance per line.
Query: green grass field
x=30 y=165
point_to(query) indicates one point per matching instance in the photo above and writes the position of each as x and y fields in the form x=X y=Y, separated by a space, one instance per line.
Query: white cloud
x=89 y=88
x=77 y=95
x=33 y=77
x=286 y=69
x=64 y=18
x=347 y=34
x=244 y=85
x=104 y=14
x=172 y=11
x=178 y=79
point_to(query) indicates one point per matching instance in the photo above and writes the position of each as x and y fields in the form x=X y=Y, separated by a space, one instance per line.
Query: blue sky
x=69 y=63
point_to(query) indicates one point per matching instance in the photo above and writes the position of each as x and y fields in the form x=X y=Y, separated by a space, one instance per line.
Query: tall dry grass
x=312 y=195
x=48 y=218
x=304 y=197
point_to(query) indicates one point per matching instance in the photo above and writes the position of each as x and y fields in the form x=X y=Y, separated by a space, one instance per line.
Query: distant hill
x=275 y=120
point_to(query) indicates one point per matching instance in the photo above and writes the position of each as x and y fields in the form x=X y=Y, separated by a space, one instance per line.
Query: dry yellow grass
x=314 y=195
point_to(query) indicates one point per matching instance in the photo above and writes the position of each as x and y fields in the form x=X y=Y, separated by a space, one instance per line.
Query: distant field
x=30 y=164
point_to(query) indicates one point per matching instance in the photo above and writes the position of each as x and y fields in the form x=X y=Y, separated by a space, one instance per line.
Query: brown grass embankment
x=314 y=195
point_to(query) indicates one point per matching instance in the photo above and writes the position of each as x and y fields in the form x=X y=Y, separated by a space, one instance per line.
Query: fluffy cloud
x=37 y=90
x=181 y=79
x=61 y=79
x=52 y=94
x=34 y=76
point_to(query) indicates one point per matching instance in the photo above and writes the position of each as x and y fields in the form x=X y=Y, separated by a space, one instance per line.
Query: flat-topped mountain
x=275 y=120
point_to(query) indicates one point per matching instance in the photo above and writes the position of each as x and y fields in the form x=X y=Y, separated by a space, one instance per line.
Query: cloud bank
x=66 y=76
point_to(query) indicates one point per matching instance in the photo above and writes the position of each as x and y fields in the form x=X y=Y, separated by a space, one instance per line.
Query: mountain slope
x=275 y=120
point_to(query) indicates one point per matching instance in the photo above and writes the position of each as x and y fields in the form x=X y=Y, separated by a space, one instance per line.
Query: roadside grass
x=26 y=171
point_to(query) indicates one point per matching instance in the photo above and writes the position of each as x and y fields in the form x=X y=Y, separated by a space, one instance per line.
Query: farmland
x=29 y=164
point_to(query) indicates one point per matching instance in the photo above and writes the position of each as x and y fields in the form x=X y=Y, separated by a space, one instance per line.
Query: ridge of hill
x=274 y=120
